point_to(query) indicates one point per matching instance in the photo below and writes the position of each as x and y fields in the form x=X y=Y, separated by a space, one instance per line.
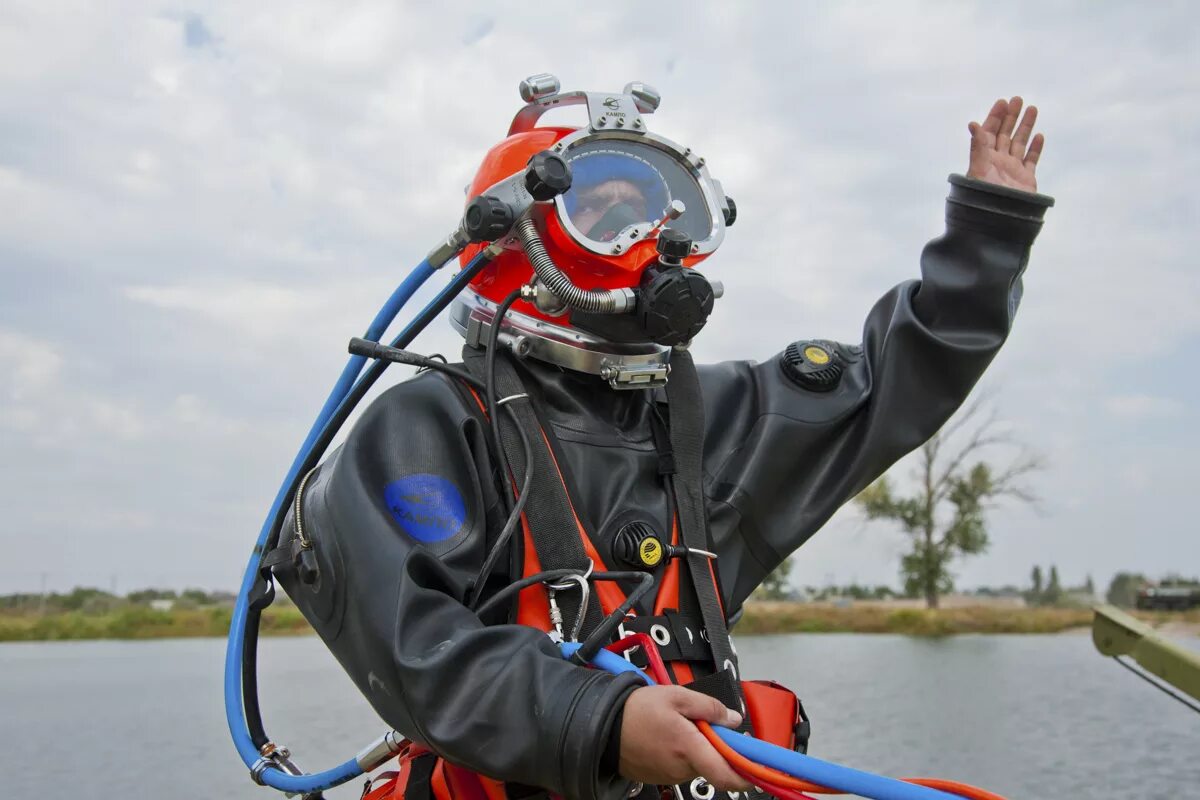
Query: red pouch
x=776 y=715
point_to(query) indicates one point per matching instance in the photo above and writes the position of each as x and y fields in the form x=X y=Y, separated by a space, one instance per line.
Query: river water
x=1025 y=716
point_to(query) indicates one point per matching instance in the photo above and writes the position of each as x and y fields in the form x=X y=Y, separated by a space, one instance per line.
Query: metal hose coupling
x=604 y=301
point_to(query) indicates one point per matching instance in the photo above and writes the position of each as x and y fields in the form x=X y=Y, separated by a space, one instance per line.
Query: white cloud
x=258 y=307
x=28 y=363
x=1142 y=406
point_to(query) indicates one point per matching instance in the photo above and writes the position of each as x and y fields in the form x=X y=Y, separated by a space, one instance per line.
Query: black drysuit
x=403 y=514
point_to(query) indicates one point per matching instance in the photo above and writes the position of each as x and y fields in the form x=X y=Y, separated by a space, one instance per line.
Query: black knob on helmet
x=673 y=246
x=547 y=176
x=673 y=304
x=730 y=213
x=487 y=218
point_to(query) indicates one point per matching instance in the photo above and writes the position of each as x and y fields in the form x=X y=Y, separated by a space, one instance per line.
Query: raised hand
x=1000 y=156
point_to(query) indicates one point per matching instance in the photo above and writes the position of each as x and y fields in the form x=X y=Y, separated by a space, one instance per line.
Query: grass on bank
x=766 y=618
x=140 y=622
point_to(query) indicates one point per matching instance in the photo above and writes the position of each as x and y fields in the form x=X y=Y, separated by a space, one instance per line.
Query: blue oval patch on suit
x=428 y=507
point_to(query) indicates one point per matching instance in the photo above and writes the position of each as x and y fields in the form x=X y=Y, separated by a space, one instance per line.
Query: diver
x=578 y=479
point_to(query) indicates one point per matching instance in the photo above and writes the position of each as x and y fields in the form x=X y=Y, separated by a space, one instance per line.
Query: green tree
x=1123 y=589
x=142 y=597
x=1089 y=586
x=1054 y=593
x=197 y=597
x=775 y=586
x=1036 y=579
x=945 y=516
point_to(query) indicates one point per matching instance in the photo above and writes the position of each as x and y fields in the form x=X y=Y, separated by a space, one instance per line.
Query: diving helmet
x=599 y=229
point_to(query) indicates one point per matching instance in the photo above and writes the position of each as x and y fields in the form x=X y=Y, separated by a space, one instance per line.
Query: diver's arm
x=782 y=458
x=395 y=564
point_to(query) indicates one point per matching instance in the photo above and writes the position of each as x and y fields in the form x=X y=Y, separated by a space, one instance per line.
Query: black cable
x=489 y=392
x=250 y=640
x=436 y=357
x=383 y=352
x=1157 y=685
x=524 y=583
x=605 y=630
x=490 y=404
x=510 y=524
x=250 y=673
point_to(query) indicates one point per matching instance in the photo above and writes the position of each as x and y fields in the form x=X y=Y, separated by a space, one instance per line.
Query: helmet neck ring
x=623 y=366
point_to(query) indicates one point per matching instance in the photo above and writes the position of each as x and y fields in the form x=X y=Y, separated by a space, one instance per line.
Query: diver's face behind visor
x=605 y=255
x=617 y=185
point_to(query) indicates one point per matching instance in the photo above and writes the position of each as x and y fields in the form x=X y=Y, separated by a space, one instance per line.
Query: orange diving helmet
x=596 y=228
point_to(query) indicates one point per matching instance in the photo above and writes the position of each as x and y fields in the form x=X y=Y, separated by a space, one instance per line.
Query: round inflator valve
x=547 y=176
x=637 y=546
x=673 y=304
x=816 y=366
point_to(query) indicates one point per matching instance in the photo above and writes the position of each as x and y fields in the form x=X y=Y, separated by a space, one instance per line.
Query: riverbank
x=759 y=618
x=142 y=623
x=771 y=617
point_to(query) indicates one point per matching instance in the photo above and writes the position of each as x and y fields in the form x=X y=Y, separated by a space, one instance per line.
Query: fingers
x=1035 y=151
x=709 y=764
x=1021 y=138
x=1004 y=136
x=995 y=117
x=694 y=705
x=979 y=139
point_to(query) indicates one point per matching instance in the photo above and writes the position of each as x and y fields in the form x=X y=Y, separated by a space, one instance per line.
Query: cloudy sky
x=200 y=203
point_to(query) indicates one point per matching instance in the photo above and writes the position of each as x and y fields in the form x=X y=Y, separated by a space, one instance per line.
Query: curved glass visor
x=618 y=184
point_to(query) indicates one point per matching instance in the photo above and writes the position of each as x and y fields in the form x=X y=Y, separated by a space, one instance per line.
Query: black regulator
x=673 y=302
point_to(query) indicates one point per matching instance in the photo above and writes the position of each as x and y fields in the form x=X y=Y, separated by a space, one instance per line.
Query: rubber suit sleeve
x=781 y=458
x=399 y=518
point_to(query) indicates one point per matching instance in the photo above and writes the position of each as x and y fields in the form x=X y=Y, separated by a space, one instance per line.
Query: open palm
x=1004 y=157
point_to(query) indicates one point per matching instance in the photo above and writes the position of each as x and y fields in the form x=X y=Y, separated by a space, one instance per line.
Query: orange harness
x=775 y=713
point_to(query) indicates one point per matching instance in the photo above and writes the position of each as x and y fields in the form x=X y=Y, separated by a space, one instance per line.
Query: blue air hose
x=798 y=765
x=234 y=712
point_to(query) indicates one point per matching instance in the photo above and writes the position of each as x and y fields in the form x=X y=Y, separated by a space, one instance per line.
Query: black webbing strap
x=686 y=409
x=678 y=637
x=552 y=523
x=285 y=553
x=420 y=777
x=721 y=685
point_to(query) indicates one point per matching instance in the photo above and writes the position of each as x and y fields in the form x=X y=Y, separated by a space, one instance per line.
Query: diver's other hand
x=1000 y=156
x=661 y=745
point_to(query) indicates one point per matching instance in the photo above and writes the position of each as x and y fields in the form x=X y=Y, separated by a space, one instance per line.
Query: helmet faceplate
x=601 y=232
